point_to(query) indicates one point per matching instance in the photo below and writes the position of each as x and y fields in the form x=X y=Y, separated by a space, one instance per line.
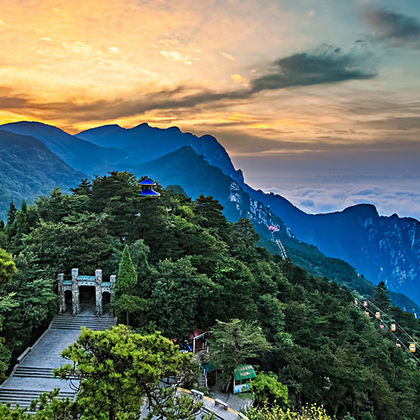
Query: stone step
x=29 y=372
x=35 y=372
x=24 y=397
x=69 y=322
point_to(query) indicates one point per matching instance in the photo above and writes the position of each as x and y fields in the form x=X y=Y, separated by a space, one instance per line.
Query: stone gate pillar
x=98 y=292
x=112 y=280
x=75 y=291
x=61 y=294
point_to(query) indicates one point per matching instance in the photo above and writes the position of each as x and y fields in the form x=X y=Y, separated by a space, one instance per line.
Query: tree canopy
x=119 y=371
x=193 y=268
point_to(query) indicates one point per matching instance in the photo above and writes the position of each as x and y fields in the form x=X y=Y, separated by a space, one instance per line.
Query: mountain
x=184 y=167
x=382 y=248
x=144 y=143
x=79 y=154
x=28 y=169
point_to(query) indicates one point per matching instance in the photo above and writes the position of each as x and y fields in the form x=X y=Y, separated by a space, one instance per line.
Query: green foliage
x=312 y=412
x=131 y=306
x=7 y=267
x=118 y=369
x=127 y=276
x=235 y=342
x=11 y=214
x=380 y=297
x=193 y=268
x=268 y=390
x=178 y=293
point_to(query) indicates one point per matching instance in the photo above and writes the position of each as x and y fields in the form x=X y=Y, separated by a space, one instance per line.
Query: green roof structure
x=244 y=372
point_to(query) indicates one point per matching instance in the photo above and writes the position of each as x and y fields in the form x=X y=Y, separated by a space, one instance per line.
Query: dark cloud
x=394 y=28
x=395 y=124
x=326 y=65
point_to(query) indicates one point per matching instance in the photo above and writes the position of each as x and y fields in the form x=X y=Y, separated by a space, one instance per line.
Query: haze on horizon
x=318 y=101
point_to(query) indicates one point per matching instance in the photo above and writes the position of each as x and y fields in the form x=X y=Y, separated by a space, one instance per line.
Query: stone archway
x=87 y=299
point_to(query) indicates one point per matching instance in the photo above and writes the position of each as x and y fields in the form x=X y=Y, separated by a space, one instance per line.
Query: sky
x=318 y=100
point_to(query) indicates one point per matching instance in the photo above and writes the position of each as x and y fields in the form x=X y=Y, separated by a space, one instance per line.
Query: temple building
x=147 y=188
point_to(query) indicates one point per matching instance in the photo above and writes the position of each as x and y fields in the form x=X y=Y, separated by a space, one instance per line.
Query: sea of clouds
x=329 y=197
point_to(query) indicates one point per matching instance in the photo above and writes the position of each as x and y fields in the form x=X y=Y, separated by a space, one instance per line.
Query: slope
x=28 y=169
x=79 y=154
x=383 y=248
x=184 y=167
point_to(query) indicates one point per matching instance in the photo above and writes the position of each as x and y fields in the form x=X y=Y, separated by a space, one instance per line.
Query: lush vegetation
x=196 y=270
x=120 y=374
x=28 y=168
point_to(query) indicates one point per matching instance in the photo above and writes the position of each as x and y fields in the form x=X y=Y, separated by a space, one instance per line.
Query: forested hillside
x=195 y=268
x=28 y=168
x=380 y=248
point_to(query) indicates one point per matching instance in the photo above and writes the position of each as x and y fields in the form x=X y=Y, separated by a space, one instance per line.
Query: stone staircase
x=34 y=373
x=24 y=397
x=202 y=379
x=70 y=322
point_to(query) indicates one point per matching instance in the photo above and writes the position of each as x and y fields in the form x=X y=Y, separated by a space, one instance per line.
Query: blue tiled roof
x=86 y=278
x=150 y=193
x=147 y=181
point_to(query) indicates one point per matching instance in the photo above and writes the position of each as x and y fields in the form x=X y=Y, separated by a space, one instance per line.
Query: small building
x=147 y=188
x=242 y=378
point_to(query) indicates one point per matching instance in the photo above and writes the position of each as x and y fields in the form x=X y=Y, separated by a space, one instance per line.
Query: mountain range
x=380 y=248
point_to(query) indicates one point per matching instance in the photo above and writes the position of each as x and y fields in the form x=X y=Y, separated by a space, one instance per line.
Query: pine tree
x=380 y=297
x=127 y=275
x=84 y=188
x=11 y=213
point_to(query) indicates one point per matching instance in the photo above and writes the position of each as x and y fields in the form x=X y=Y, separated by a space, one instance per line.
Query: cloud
x=325 y=65
x=330 y=198
x=394 y=28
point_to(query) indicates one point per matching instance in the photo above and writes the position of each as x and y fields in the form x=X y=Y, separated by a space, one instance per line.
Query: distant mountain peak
x=141 y=126
x=362 y=210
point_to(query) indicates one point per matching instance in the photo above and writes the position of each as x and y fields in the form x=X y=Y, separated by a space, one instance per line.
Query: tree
x=179 y=293
x=11 y=213
x=127 y=276
x=84 y=188
x=268 y=390
x=7 y=304
x=235 y=342
x=130 y=305
x=7 y=267
x=209 y=213
x=380 y=297
x=120 y=370
x=139 y=253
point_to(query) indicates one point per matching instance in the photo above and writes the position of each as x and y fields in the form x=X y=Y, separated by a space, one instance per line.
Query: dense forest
x=194 y=269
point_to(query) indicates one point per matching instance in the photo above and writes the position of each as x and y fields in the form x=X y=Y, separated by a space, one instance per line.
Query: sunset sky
x=318 y=100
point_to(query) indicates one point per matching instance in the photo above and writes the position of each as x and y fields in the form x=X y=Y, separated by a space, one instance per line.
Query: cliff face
x=395 y=244
x=382 y=248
